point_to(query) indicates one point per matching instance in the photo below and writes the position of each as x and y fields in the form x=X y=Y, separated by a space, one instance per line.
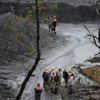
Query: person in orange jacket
x=54 y=23
x=38 y=91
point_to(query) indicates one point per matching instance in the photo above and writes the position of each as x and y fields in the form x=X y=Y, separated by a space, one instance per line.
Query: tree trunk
x=18 y=97
x=99 y=35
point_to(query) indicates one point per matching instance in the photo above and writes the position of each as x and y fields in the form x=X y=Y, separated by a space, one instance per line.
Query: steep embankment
x=20 y=37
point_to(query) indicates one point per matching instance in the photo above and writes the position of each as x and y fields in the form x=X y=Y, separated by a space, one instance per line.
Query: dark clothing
x=54 y=23
x=37 y=97
x=46 y=78
x=56 y=83
x=43 y=74
x=49 y=74
x=56 y=79
x=38 y=91
x=54 y=26
x=65 y=76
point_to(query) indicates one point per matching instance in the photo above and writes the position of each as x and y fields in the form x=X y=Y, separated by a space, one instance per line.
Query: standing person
x=59 y=73
x=52 y=76
x=49 y=22
x=65 y=76
x=38 y=91
x=52 y=81
x=43 y=76
x=70 y=71
x=54 y=24
x=46 y=79
x=52 y=69
x=56 y=83
x=70 y=83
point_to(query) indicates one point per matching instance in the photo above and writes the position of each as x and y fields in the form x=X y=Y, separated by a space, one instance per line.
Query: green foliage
x=6 y=26
x=19 y=85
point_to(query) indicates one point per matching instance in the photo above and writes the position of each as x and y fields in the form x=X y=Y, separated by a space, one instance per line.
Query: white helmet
x=52 y=67
x=59 y=67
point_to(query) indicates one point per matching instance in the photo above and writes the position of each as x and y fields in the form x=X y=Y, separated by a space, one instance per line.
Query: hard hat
x=54 y=17
x=53 y=72
x=59 y=67
x=70 y=74
x=52 y=67
x=50 y=70
x=46 y=71
x=69 y=70
x=46 y=68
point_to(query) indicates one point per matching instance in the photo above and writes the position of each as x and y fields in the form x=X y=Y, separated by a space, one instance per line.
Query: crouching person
x=70 y=83
x=38 y=91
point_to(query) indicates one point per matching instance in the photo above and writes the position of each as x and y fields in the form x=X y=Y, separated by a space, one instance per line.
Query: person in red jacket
x=38 y=91
x=52 y=76
x=54 y=24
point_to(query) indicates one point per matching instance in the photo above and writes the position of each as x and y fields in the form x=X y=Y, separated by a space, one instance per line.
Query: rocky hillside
x=20 y=38
x=66 y=13
x=71 y=2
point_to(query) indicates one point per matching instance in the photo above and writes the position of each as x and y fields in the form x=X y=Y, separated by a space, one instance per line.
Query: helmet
x=54 y=17
x=70 y=74
x=52 y=67
x=53 y=72
x=59 y=67
x=46 y=68
x=69 y=70
x=50 y=70
x=46 y=71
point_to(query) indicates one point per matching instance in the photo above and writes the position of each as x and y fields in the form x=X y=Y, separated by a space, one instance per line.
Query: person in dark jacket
x=38 y=91
x=43 y=76
x=54 y=24
x=65 y=76
x=46 y=80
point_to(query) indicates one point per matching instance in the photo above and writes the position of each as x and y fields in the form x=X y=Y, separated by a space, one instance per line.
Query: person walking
x=46 y=69
x=65 y=76
x=49 y=22
x=54 y=25
x=70 y=83
x=38 y=91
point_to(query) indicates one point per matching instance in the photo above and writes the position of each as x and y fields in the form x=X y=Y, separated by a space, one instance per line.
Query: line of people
x=52 y=24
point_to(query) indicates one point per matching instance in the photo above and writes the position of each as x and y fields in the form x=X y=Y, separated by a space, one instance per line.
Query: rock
x=95 y=97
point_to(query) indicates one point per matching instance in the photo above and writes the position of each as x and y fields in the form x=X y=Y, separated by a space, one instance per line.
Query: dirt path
x=64 y=55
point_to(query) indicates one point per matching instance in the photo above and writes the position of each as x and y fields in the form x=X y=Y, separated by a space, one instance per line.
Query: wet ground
x=74 y=50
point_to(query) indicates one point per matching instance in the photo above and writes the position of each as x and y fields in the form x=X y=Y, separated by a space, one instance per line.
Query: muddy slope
x=65 y=13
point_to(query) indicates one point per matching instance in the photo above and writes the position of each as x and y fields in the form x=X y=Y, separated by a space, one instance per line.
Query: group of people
x=52 y=24
x=51 y=77
x=52 y=81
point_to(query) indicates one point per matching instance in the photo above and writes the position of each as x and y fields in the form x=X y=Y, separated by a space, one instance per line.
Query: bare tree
x=18 y=97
